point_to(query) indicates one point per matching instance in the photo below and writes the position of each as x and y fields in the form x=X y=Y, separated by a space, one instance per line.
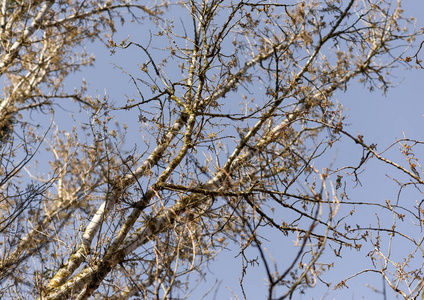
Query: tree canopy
x=224 y=144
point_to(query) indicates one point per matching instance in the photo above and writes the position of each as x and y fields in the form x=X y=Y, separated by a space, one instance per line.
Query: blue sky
x=379 y=118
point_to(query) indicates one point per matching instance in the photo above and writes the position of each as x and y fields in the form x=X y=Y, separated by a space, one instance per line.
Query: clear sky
x=380 y=119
